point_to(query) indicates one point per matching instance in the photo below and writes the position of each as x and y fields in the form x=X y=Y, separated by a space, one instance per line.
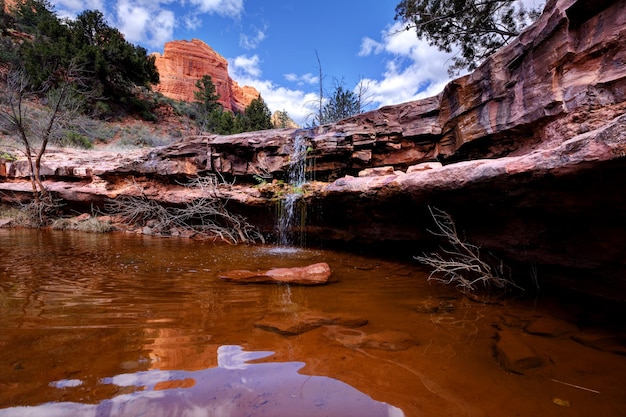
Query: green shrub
x=75 y=139
x=8 y=157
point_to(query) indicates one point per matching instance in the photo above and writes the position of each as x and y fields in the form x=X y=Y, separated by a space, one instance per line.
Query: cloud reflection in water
x=235 y=388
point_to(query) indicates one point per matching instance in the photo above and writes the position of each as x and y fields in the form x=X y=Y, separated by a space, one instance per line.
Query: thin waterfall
x=288 y=214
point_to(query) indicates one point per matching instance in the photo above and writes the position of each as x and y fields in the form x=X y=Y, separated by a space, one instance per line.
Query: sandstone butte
x=527 y=154
x=185 y=62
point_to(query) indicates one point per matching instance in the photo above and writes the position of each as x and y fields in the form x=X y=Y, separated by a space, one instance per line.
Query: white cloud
x=370 y=46
x=252 y=42
x=192 y=22
x=298 y=103
x=152 y=22
x=133 y=20
x=162 y=28
x=246 y=66
x=72 y=8
x=303 y=79
x=413 y=69
x=232 y=8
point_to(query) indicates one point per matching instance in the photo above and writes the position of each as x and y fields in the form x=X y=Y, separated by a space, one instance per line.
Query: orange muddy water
x=118 y=325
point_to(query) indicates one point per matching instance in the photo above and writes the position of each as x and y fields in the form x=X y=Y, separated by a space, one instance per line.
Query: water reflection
x=235 y=387
x=126 y=325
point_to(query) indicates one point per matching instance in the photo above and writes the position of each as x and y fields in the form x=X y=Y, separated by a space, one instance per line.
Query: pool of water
x=125 y=325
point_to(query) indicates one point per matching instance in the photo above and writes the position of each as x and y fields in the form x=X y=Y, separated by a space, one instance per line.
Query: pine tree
x=477 y=27
x=258 y=116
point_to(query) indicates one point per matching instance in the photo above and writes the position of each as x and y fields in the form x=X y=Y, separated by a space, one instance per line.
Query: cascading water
x=288 y=216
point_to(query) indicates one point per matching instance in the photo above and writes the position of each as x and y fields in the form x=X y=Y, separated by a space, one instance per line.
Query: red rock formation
x=185 y=62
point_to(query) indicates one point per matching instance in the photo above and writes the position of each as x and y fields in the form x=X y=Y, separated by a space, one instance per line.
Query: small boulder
x=316 y=274
x=514 y=354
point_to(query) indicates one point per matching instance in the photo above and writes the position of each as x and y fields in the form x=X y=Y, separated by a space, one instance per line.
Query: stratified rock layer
x=532 y=147
x=183 y=63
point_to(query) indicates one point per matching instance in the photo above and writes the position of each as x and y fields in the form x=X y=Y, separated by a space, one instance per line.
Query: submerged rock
x=293 y=323
x=551 y=327
x=390 y=340
x=316 y=274
x=514 y=353
x=601 y=340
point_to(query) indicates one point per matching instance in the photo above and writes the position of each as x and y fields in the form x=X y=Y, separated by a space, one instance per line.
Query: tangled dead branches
x=462 y=264
x=206 y=217
x=39 y=211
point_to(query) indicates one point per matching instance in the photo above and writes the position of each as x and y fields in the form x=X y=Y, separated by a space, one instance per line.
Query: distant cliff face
x=185 y=62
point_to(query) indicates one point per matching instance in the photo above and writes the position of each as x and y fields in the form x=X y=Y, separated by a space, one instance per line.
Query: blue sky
x=271 y=45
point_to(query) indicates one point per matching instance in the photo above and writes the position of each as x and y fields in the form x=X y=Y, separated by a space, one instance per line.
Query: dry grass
x=91 y=225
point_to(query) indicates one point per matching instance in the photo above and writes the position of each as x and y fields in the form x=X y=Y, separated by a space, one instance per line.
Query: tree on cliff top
x=342 y=103
x=477 y=27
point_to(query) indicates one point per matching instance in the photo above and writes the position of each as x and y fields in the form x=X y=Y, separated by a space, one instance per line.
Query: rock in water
x=294 y=323
x=316 y=274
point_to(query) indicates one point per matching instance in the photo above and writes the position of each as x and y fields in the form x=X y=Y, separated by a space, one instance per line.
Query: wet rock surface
x=302 y=321
x=514 y=352
x=360 y=338
x=604 y=341
x=316 y=274
x=551 y=327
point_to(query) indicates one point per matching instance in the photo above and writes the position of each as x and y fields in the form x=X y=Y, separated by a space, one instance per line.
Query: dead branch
x=206 y=217
x=462 y=263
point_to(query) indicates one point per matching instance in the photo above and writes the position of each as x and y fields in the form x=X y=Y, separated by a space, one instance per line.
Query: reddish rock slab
x=294 y=323
x=390 y=340
x=605 y=341
x=551 y=327
x=315 y=274
x=514 y=353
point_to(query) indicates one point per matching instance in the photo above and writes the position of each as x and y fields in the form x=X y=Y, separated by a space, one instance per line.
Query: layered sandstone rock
x=185 y=62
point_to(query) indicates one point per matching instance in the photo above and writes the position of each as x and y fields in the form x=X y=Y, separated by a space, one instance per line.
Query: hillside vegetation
x=112 y=103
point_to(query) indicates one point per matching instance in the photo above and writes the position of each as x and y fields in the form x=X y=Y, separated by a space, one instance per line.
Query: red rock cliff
x=185 y=62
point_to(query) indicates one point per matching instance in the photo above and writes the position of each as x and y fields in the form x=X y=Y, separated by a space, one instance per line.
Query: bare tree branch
x=462 y=264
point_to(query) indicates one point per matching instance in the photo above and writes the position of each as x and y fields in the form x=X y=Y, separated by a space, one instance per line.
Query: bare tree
x=321 y=95
x=62 y=97
x=364 y=98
